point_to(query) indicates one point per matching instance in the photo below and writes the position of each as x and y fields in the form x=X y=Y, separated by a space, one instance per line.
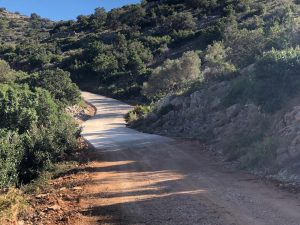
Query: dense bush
x=11 y=153
x=174 y=76
x=34 y=132
x=274 y=79
x=6 y=76
x=60 y=85
x=245 y=45
x=216 y=61
x=139 y=112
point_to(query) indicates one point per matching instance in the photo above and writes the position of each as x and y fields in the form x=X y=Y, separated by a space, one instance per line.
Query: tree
x=98 y=19
x=245 y=45
x=6 y=74
x=181 y=21
x=173 y=76
x=208 y=4
x=216 y=61
x=60 y=85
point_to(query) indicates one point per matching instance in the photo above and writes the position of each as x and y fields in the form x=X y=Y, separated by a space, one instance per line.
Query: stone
x=41 y=196
x=77 y=188
x=54 y=207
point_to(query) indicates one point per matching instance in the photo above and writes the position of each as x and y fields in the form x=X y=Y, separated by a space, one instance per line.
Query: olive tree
x=173 y=76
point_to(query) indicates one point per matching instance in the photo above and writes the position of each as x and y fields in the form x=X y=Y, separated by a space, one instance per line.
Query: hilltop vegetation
x=115 y=52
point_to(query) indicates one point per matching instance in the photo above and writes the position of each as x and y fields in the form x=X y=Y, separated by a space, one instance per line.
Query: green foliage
x=217 y=62
x=252 y=150
x=277 y=77
x=17 y=108
x=60 y=85
x=181 y=21
x=139 y=112
x=245 y=45
x=115 y=50
x=98 y=19
x=34 y=133
x=11 y=153
x=261 y=154
x=274 y=79
x=174 y=76
x=44 y=146
x=6 y=75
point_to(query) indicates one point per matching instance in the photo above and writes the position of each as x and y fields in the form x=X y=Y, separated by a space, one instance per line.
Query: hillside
x=223 y=73
x=218 y=56
x=147 y=51
x=16 y=28
x=114 y=52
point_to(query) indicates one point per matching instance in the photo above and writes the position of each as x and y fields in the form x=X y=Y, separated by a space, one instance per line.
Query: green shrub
x=275 y=78
x=216 y=61
x=245 y=45
x=11 y=154
x=139 y=112
x=38 y=134
x=17 y=107
x=6 y=74
x=260 y=154
x=173 y=76
x=60 y=85
x=44 y=146
x=236 y=146
x=251 y=149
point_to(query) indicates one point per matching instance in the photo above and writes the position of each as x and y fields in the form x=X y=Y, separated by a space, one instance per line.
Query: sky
x=61 y=9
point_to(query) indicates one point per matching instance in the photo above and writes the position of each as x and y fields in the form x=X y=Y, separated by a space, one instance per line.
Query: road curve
x=136 y=178
x=107 y=129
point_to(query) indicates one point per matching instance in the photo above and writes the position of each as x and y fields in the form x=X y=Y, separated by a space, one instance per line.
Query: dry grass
x=12 y=204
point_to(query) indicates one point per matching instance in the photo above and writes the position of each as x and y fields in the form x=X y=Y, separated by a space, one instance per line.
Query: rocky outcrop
x=289 y=134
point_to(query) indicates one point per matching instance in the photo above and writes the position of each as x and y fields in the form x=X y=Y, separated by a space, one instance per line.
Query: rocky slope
x=268 y=143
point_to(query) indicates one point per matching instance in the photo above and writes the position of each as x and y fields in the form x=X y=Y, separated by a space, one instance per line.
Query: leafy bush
x=11 y=154
x=139 y=112
x=216 y=61
x=251 y=150
x=17 y=108
x=275 y=78
x=34 y=133
x=6 y=75
x=260 y=154
x=173 y=76
x=245 y=45
x=44 y=146
x=60 y=85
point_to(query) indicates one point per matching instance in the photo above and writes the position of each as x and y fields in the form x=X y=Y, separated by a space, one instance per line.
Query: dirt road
x=138 y=178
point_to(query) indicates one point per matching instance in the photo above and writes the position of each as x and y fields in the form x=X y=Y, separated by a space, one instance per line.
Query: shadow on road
x=146 y=186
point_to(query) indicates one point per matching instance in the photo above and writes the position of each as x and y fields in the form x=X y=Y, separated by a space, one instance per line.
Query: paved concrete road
x=107 y=129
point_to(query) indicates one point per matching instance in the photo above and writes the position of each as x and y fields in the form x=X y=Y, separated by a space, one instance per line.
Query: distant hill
x=16 y=28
